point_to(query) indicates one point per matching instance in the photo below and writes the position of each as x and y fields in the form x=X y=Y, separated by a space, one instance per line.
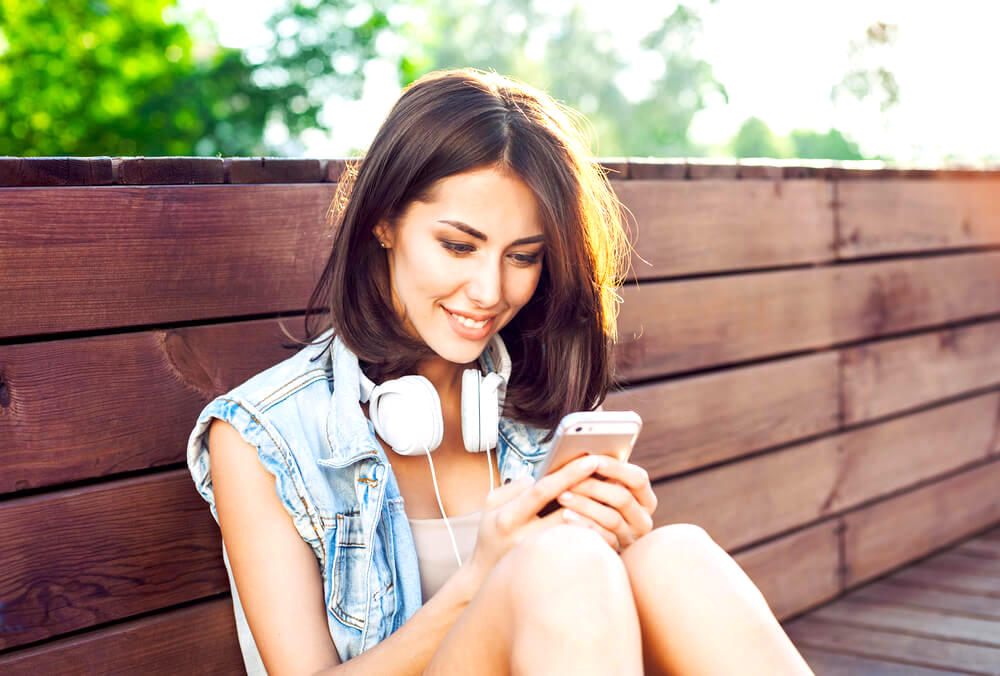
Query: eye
x=525 y=259
x=457 y=247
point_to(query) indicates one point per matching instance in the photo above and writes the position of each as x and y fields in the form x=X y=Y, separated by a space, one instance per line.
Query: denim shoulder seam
x=288 y=469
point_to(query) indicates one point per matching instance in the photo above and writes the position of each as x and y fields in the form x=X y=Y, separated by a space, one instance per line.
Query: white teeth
x=468 y=323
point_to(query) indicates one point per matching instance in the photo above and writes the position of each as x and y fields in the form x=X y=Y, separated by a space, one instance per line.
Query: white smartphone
x=611 y=433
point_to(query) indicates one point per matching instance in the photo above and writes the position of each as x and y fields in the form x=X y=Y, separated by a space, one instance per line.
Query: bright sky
x=778 y=60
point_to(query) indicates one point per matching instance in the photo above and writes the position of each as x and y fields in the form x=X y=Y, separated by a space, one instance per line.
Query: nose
x=484 y=287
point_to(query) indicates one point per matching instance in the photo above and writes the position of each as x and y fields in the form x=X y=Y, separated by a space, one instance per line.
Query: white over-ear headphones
x=406 y=412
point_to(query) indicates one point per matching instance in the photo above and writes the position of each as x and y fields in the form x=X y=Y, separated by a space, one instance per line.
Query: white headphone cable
x=437 y=494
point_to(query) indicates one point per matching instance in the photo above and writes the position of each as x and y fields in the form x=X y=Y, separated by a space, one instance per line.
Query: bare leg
x=700 y=613
x=559 y=602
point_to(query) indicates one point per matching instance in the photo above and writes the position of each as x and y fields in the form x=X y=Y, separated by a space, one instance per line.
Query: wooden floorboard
x=838 y=664
x=939 y=615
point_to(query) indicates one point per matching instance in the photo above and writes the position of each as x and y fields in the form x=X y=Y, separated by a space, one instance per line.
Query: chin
x=460 y=351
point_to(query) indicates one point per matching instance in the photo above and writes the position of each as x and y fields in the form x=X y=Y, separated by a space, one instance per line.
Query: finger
x=605 y=517
x=632 y=477
x=576 y=519
x=504 y=493
x=527 y=505
x=565 y=516
x=620 y=499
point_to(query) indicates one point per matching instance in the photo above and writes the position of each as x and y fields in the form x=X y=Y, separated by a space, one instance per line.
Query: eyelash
x=462 y=249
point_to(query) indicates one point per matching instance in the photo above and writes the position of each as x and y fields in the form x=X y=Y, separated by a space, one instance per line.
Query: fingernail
x=570 y=515
x=592 y=462
x=564 y=497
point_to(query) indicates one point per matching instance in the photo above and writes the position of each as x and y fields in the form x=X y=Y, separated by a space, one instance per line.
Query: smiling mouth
x=468 y=322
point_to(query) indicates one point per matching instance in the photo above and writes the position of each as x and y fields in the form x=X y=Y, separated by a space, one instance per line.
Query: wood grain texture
x=752 y=499
x=687 y=227
x=668 y=327
x=200 y=639
x=700 y=170
x=903 y=648
x=168 y=170
x=169 y=254
x=752 y=170
x=52 y=171
x=93 y=407
x=929 y=623
x=796 y=571
x=274 y=170
x=695 y=421
x=884 y=377
x=881 y=298
x=825 y=663
x=640 y=168
x=952 y=580
x=959 y=562
x=980 y=546
x=897 y=216
x=903 y=528
x=899 y=592
x=85 y=556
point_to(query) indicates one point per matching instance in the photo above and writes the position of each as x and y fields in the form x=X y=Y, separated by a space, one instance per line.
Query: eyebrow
x=469 y=230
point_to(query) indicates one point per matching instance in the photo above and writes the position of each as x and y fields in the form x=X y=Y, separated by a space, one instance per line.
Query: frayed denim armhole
x=273 y=454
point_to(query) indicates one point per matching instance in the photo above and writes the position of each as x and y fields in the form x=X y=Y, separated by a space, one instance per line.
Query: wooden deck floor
x=940 y=615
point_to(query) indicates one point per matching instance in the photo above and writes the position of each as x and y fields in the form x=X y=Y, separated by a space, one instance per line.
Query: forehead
x=487 y=199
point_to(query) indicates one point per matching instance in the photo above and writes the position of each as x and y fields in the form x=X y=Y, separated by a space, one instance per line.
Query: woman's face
x=464 y=262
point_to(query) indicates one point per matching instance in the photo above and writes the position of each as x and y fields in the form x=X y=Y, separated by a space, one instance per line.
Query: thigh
x=480 y=641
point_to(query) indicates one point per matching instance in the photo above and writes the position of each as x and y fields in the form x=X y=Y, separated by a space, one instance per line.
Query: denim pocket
x=348 y=601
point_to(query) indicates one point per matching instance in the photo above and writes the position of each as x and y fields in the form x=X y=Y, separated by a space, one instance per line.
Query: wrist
x=468 y=578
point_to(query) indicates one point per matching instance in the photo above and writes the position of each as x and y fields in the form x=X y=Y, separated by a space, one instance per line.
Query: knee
x=569 y=576
x=553 y=560
x=674 y=549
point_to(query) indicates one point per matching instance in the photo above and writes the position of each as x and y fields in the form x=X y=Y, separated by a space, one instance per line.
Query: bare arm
x=281 y=587
x=280 y=584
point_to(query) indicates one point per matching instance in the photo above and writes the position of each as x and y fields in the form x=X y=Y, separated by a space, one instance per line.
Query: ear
x=383 y=233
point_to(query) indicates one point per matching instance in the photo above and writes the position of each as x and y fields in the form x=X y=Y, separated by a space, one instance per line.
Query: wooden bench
x=815 y=351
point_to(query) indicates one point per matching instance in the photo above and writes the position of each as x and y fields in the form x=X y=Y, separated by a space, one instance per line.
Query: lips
x=470 y=327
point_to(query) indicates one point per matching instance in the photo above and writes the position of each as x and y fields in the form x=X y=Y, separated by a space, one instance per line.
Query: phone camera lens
x=578 y=429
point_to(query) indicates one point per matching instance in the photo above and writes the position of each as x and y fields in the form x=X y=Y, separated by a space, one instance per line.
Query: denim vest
x=337 y=484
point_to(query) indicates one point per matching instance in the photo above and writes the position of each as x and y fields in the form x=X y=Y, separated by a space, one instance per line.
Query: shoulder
x=282 y=414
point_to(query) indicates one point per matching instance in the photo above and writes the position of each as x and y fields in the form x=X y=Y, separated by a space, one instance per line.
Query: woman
x=476 y=235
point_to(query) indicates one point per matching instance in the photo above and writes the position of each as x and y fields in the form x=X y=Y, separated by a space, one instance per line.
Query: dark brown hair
x=447 y=123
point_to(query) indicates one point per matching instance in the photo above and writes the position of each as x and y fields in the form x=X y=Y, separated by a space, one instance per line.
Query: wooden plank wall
x=815 y=351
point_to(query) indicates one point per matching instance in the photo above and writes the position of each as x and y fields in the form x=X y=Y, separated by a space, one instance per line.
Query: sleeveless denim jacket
x=335 y=481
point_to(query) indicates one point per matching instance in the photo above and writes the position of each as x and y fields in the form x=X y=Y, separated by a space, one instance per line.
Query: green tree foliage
x=558 y=51
x=832 y=145
x=755 y=139
x=99 y=77
x=868 y=77
x=318 y=50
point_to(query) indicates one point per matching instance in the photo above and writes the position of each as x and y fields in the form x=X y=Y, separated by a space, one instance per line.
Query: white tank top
x=435 y=557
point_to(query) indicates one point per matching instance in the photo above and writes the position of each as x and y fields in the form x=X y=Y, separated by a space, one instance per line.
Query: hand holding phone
x=611 y=433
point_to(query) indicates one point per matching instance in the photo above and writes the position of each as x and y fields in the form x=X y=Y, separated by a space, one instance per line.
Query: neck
x=445 y=376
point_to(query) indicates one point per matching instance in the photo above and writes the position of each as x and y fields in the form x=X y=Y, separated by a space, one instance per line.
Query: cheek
x=421 y=274
x=522 y=285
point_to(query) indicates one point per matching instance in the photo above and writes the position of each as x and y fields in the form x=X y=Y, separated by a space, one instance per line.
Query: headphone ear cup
x=406 y=413
x=480 y=410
